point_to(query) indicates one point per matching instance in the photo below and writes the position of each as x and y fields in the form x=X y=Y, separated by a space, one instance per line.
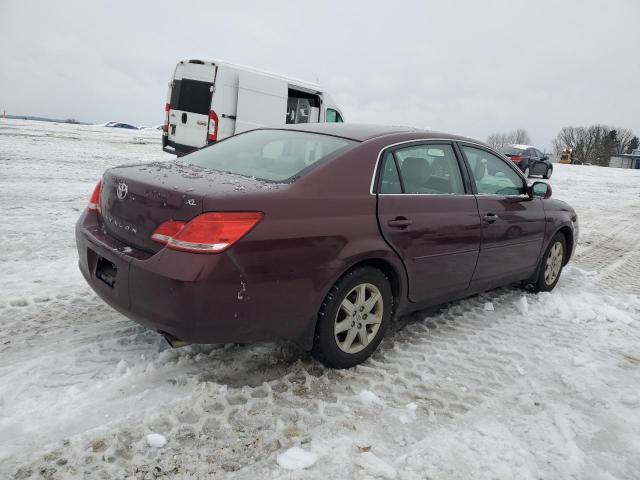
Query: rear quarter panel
x=313 y=231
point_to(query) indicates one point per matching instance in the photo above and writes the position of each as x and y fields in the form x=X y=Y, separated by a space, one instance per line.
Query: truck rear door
x=190 y=104
x=262 y=100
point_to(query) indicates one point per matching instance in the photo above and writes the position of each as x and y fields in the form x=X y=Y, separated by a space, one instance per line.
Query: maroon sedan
x=319 y=234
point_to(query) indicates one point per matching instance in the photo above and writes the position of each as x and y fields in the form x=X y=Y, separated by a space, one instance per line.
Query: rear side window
x=191 y=96
x=427 y=169
x=491 y=174
x=513 y=151
x=389 y=178
x=272 y=155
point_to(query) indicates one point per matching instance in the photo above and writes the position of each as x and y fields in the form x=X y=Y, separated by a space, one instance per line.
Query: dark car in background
x=316 y=233
x=530 y=160
x=121 y=125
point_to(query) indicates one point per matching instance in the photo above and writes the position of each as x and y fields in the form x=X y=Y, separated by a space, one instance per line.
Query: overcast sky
x=471 y=67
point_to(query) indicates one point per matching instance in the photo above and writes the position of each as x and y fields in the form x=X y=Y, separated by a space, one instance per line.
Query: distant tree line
x=596 y=143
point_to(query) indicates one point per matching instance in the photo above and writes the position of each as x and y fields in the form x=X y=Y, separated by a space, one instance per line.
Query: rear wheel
x=551 y=265
x=353 y=318
x=547 y=174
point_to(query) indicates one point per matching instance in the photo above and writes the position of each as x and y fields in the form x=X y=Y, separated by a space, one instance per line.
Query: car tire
x=347 y=336
x=551 y=264
x=547 y=174
x=527 y=172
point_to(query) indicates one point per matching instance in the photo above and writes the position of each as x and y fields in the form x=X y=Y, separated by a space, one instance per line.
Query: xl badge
x=122 y=190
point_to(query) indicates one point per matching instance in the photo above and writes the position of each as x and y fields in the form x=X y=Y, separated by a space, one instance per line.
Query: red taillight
x=212 y=132
x=167 y=231
x=516 y=158
x=94 y=201
x=207 y=233
x=165 y=127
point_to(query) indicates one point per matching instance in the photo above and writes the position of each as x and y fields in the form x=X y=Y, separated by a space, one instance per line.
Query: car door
x=513 y=223
x=428 y=215
x=262 y=100
x=541 y=167
x=535 y=162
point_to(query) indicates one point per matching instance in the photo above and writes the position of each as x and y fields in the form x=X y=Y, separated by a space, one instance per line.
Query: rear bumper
x=176 y=148
x=198 y=298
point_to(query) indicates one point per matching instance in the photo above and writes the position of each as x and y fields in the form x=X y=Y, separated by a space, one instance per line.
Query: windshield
x=512 y=151
x=273 y=155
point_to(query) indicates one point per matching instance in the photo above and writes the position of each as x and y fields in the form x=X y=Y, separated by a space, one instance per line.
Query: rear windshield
x=191 y=96
x=273 y=155
x=512 y=151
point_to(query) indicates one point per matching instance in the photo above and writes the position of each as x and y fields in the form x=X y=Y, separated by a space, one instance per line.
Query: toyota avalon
x=318 y=233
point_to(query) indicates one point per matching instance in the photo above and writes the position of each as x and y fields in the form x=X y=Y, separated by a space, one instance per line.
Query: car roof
x=520 y=146
x=364 y=131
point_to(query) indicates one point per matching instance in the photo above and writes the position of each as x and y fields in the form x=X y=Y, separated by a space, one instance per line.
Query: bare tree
x=520 y=136
x=593 y=144
x=501 y=140
x=624 y=137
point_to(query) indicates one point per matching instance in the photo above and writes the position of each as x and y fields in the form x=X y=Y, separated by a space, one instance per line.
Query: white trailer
x=209 y=100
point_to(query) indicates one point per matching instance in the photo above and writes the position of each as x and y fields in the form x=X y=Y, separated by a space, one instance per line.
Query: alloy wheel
x=359 y=317
x=553 y=263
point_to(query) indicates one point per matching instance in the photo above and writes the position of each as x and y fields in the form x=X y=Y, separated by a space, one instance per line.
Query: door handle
x=490 y=217
x=400 y=222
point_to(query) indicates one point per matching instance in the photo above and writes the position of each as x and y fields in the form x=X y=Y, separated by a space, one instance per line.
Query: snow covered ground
x=504 y=385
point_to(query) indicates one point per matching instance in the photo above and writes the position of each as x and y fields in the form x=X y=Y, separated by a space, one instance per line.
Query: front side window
x=332 y=116
x=272 y=155
x=491 y=174
x=429 y=169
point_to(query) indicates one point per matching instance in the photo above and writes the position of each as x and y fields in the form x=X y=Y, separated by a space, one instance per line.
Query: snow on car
x=534 y=386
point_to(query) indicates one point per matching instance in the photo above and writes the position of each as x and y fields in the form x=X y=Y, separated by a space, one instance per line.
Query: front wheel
x=353 y=318
x=551 y=265
x=547 y=174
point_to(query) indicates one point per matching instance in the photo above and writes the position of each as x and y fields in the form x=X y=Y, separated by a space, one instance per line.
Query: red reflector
x=166 y=231
x=212 y=132
x=516 y=158
x=207 y=233
x=165 y=127
x=94 y=201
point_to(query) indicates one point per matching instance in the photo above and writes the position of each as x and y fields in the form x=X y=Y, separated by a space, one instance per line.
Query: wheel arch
x=397 y=279
x=569 y=239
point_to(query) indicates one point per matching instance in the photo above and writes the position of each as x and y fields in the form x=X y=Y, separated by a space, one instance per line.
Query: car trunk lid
x=136 y=199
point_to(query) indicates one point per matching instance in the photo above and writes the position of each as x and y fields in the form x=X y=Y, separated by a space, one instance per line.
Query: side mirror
x=539 y=190
x=545 y=157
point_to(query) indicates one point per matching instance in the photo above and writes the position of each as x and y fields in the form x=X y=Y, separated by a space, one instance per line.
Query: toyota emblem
x=122 y=190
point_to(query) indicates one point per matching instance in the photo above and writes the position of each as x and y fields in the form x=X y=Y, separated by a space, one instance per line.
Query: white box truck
x=209 y=100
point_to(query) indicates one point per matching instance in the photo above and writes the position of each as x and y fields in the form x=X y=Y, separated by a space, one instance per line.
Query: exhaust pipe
x=173 y=341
